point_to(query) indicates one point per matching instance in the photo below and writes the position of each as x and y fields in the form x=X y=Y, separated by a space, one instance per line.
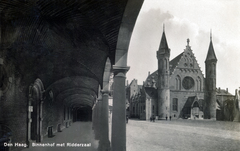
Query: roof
x=173 y=63
x=211 y=54
x=190 y=100
x=163 y=43
x=222 y=92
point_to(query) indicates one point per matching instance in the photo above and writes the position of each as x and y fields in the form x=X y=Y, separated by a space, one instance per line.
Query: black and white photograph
x=119 y=75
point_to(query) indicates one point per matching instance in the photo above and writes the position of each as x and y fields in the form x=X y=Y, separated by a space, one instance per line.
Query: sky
x=185 y=19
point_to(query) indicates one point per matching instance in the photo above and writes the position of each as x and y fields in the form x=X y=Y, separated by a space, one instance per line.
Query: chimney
x=227 y=90
x=219 y=89
x=148 y=73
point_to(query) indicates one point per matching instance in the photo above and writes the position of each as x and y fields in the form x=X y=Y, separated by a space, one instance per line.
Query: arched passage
x=66 y=44
x=119 y=69
x=36 y=91
x=82 y=113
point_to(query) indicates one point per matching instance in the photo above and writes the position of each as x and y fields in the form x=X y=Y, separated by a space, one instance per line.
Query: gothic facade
x=178 y=89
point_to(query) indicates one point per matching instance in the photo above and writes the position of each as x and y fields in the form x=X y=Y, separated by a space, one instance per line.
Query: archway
x=195 y=110
x=83 y=113
x=36 y=91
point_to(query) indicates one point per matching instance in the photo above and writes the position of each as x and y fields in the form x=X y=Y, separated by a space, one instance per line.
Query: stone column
x=104 y=144
x=119 y=109
x=99 y=127
x=40 y=121
x=94 y=117
x=97 y=120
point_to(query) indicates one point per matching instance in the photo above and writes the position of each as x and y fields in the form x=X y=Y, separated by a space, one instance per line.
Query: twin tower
x=164 y=102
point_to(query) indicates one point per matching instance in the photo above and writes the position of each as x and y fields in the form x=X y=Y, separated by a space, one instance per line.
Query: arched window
x=214 y=70
x=199 y=84
x=178 y=82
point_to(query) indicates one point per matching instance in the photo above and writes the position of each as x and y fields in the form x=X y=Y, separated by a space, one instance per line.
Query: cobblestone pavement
x=183 y=135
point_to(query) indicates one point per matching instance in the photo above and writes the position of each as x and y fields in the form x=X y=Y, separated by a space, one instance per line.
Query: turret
x=210 y=82
x=163 y=102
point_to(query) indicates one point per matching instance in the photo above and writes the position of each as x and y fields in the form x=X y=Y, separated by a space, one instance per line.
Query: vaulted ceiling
x=65 y=43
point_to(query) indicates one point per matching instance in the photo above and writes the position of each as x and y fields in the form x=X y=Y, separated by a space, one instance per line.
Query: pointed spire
x=188 y=42
x=163 y=43
x=211 y=54
x=211 y=35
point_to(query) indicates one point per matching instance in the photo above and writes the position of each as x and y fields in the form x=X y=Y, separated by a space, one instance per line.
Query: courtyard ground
x=175 y=135
x=183 y=135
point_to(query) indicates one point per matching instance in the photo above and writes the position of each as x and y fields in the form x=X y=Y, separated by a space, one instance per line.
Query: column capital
x=105 y=92
x=99 y=98
x=119 y=69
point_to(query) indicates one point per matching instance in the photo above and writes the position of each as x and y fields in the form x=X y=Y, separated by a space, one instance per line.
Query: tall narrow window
x=175 y=104
x=161 y=63
x=166 y=64
x=199 y=84
x=178 y=82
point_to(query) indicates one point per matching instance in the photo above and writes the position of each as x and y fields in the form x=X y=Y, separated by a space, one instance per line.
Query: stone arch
x=195 y=110
x=120 y=68
x=35 y=101
x=107 y=74
x=6 y=134
x=125 y=32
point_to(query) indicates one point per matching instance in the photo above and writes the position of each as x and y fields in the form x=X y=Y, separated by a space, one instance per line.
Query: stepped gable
x=186 y=60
